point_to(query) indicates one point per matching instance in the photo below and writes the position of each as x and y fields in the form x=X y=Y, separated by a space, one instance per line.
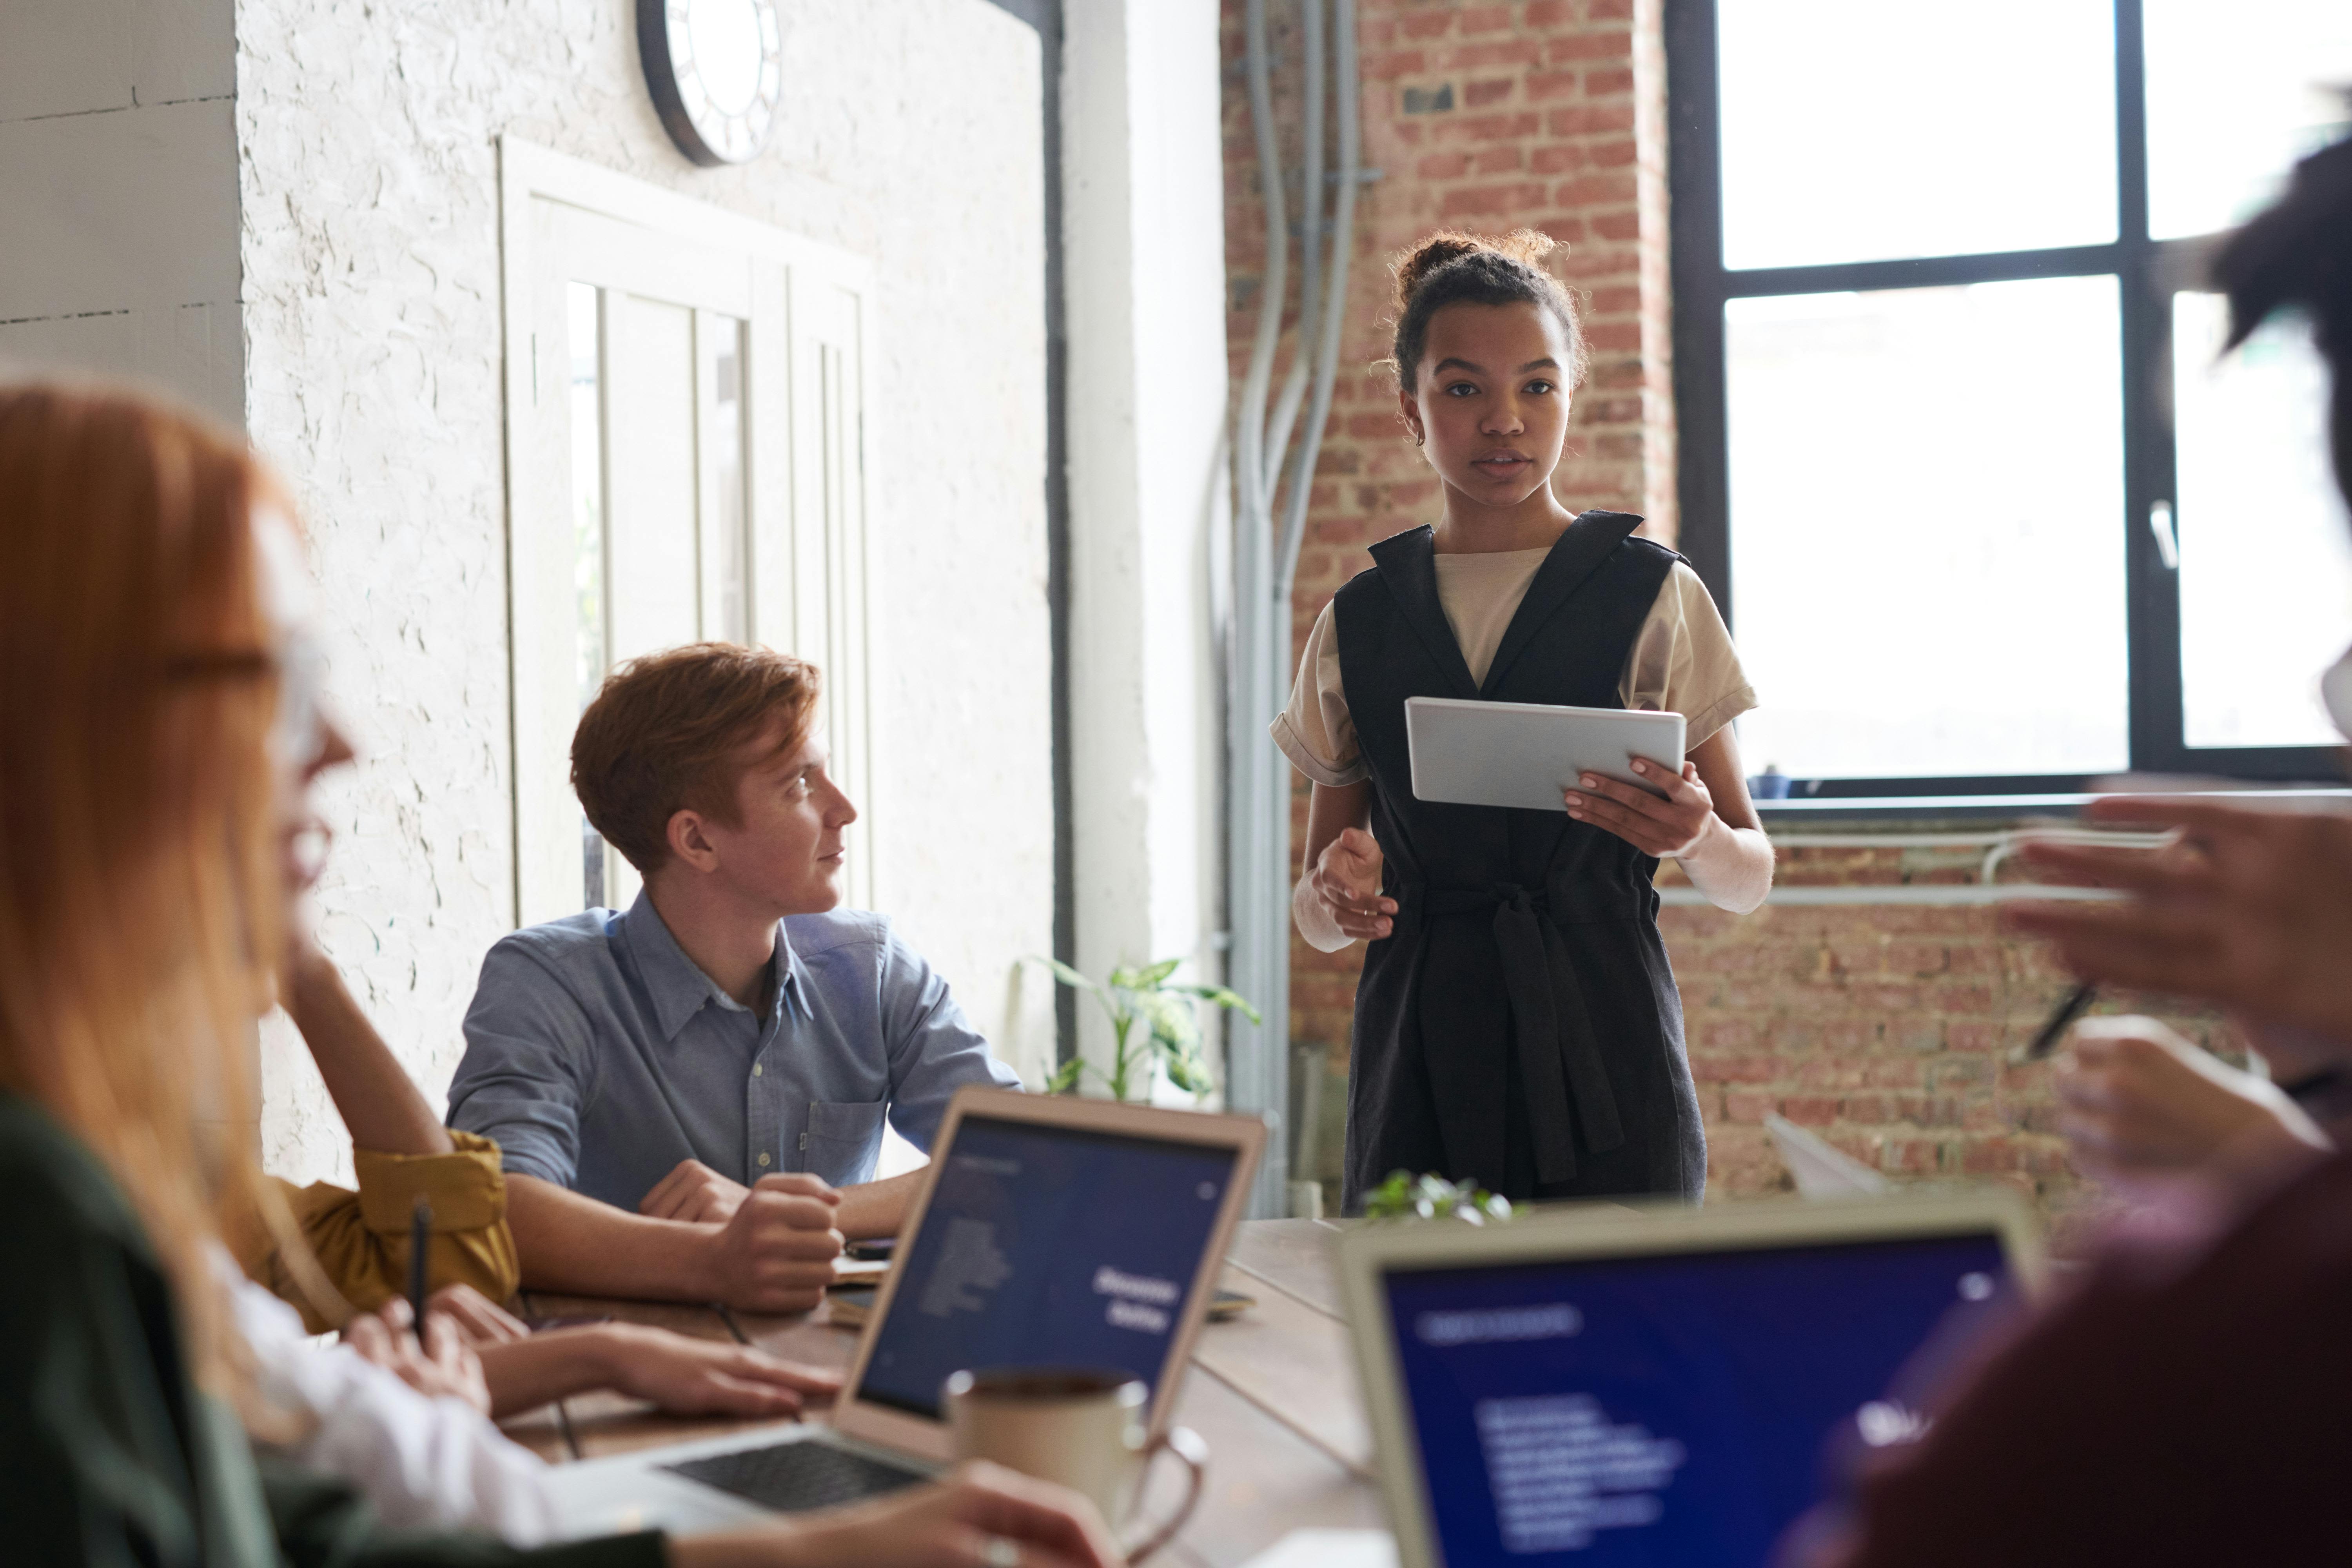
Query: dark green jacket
x=108 y=1456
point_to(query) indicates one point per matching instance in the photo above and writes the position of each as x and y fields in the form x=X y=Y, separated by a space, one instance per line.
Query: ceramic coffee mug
x=1078 y=1428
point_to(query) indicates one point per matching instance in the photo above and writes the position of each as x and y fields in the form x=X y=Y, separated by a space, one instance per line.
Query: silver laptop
x=1656 y=1385
x=1048 y=1231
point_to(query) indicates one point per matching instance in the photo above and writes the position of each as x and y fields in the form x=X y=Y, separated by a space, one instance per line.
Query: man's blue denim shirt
x=599 y=1055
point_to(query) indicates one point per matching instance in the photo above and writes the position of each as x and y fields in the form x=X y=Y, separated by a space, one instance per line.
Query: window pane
x=1927 y=530
x=1861 y=130
x=2235 y=94
x=2265 y=562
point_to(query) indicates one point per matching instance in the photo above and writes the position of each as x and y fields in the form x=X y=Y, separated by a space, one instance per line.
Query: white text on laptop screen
x=1661 y=1409
x=1047 y=1247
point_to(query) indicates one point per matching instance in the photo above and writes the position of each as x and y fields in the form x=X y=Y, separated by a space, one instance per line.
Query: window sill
x=1861 y=812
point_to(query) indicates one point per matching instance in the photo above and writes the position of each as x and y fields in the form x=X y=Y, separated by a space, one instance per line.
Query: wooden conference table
x=1273 y=1392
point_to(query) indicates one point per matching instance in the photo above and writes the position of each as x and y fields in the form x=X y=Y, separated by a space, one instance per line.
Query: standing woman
x=1517 y=1024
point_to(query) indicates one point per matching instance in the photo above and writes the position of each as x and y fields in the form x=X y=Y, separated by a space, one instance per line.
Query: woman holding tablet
x=1516 y=1023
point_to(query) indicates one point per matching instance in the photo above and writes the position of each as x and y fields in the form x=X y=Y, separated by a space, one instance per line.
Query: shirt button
x=757 y=1070
x=763 y=1159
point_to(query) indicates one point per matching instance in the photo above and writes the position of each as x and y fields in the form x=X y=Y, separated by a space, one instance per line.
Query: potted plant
x=1407 y=1196
x=1169 y=1036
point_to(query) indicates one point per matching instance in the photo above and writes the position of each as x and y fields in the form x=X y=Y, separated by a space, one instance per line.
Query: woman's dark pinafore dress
x=1519 y=1026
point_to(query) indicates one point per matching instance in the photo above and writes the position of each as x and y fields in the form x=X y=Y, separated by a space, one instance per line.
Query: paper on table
x=858 y=1271
x=1329 y=1549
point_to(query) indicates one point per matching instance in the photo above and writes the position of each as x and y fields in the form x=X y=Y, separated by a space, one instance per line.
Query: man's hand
x=442 y=1366
x=701 y=1377
x=775 y=1253
x=694 y=1191
x=2250 y=909
x=2134 y=1098
x=1346 y=882
x=1665 y=828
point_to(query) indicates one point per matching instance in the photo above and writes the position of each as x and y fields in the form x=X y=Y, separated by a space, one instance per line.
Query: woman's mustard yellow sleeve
x=361 y=1240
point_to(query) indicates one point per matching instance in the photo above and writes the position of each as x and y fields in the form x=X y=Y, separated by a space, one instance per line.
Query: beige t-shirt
x=1682 y=660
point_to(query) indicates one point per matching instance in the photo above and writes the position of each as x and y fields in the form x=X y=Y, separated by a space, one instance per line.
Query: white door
x=686 y=448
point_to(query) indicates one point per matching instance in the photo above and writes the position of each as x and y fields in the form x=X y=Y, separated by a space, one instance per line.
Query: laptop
x=1659 y=1385
x=1048 y=1231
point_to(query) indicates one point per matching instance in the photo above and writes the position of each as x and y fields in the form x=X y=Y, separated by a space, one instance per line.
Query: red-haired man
x=690 y=1094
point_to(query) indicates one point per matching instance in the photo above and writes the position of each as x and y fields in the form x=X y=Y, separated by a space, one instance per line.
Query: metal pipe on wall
x=1266 y=541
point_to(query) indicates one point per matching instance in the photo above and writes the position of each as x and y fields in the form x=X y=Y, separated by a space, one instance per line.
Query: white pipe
x=1310 y=234
x=1335 y=296
x=1249 y=437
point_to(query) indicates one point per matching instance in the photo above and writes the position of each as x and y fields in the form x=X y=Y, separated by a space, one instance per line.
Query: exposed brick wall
x=1888 y=1029
x=1885 y=1027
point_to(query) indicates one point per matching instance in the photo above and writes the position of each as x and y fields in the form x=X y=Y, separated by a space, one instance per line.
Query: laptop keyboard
x=791 y=1477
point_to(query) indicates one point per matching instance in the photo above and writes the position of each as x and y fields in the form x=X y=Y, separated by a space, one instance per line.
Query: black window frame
x=2147 y=272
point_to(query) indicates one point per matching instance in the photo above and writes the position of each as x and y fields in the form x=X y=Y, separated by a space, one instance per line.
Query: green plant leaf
x=1172 y=1024
x=1159 y=971
x=1064 y=1080
x=1063 y=973
x=1220 y=996
x=1190 y=1073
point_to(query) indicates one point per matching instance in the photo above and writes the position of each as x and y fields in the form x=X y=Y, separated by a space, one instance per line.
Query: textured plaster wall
x=118 y=194
x=369 y=182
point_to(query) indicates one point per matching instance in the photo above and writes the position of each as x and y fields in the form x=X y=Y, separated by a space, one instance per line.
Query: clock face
x=716 y=71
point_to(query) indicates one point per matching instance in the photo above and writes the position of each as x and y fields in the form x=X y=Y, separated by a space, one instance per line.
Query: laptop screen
x=1665 y=1408
x=1047 y=1247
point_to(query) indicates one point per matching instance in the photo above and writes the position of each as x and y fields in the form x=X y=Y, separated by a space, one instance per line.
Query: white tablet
x=1525 y=754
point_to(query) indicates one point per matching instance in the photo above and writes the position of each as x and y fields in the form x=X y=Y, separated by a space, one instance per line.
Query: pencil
x=2077 y=1003
x=420 y=1240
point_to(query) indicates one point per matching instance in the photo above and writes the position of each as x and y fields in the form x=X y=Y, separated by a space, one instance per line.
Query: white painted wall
x=118 y=194
x=1144 y=235
x=369 y=247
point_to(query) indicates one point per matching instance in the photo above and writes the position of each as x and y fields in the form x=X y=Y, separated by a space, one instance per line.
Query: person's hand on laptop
x=695 y=1192
x=2134 y=1098
x=775 y=1252
x=981 y=1515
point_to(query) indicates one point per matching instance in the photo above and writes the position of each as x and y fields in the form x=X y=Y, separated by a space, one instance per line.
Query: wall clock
x=716 y=71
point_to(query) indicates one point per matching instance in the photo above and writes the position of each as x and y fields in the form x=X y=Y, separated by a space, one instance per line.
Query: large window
x=1960 y=456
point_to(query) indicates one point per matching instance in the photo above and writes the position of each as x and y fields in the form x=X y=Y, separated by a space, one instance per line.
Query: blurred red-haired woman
x=159 y=730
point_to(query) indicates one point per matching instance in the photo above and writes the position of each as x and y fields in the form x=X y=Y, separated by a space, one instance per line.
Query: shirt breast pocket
x=844 y=1140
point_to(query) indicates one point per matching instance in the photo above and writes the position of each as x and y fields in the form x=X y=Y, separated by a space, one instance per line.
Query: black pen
x=420 y=1238
x=2078 y=1001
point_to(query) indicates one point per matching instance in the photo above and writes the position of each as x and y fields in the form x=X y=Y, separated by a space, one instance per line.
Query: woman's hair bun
x=1413 y=265
x=1449 y=265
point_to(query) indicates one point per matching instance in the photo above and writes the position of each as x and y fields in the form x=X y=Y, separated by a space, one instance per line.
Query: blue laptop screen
x=1047 y=1246
x=1661 y=1409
